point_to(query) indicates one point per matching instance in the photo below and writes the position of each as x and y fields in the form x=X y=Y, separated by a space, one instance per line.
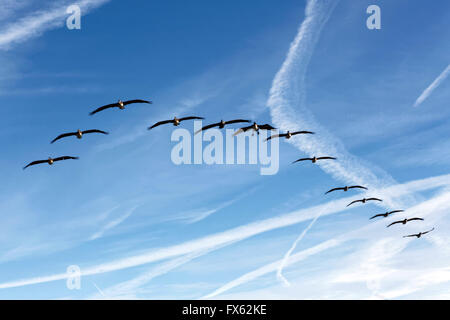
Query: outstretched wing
x=191 y=118
x=302 y=159
x=112 y=105
x=266 y=127
x=302 y=132
x=412 y=219
x=334 y=189
x=374 y=199
x=95 y=131
x=63 y=136
x=377 y=215
x=243 y=129
x=276 y=136
x=136 y=101
x=360 y=187
x=209 y=126
x=395 y=222
x=410 y=235
x=323 y=158
x=34 y=163
x=65 y=158
x=427 y=231
x=395 y=211
x=354 y=201
x=160 y=123
x=236 y=121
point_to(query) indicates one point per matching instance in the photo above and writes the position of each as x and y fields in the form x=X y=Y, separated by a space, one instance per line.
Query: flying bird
x=404 y=221
x=50 y=161
x=314 y=159
x=346 y=188
x=78 y=134
x=175 y=121
x=221 y=124
x=288 y=134
x=120 y=104
x=364 y=200
x=418 y=235
x=255 y=127
x=386 y=214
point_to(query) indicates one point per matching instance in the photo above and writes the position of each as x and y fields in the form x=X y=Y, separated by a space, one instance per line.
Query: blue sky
x=139 y=226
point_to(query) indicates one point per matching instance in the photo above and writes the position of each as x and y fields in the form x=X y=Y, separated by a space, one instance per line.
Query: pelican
x=346 y=188
x=50 y=161
x=404 y=221
x=314 y=159
x=418 y=235
x=221 y=124
x=255 y=127
x=175 y=121
x=78 y=134
x=288 y=134
x=120 y=104
x=364 y=200
x=386 y=214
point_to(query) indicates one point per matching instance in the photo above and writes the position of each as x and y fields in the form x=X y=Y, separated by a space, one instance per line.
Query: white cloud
x=426 y=93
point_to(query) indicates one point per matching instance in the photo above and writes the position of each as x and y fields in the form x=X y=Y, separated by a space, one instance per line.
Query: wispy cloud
x=236 y=234
x=113 y=223
x=426 y=93
x=38 y=22
x=288 y=110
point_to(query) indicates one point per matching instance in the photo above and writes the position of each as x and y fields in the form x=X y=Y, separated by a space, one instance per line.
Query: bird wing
x=377 y=215
x=191 y=118
x=412 y=219
x=276 y=136
x=427 y=231
x=360 y=187
x=236 y=121
x=243 y=129
x=334 y=189
x=95 y=131
x=160 y=123
x=136 y=101
x=64 y=135
x=375 y=199
x=302 y=132
x=302 y=159
x=266 y=127
x=209 y=126
x=354 y=201
x=33 y=163
x=395 y=211
x=410 y=235
x=112 y=105
x=64 y=158
x=323 y=158
x=401 y=221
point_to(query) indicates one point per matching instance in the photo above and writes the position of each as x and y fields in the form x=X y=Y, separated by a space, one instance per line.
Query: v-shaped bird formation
x=255 y=127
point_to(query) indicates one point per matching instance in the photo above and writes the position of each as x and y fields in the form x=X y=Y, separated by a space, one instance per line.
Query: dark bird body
x=418 y=235
x=386 y=214
x=175 y=121
x=404 y=221
x=364 y=200
x=120 y=104
x=314 y=159
x=288 y=134
x=50 y=161
x=346 y=188
x=221 y=124
x=79 y=134
x=255 y=127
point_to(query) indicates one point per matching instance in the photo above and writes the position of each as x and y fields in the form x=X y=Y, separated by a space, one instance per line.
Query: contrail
x=288 y=111
x=233 y=235
x=294 y=245
x=426 y=93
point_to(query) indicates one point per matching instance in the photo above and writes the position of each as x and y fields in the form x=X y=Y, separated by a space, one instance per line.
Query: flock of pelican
x=254 y=127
